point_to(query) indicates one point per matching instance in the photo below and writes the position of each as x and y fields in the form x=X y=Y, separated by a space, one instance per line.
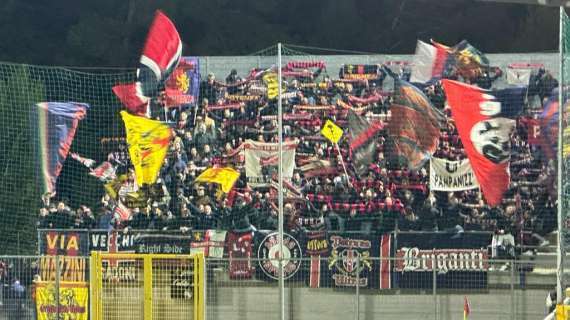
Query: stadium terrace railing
x=430 y=285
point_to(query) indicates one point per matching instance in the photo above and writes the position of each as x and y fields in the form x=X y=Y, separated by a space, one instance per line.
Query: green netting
x=21 y=87
x=102 y=132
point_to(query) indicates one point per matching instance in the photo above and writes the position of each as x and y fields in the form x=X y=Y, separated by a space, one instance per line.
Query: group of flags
x=161 y=69
x=436 y=61
x=484 y=118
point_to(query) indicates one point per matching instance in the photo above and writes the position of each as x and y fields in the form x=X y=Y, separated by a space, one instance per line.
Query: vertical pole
x=57 y=284
x=203 y=276
x=560 y=249
x=357 y=302
x=513 y=308
x=343 y=166
x=280 y=178
x=147 y=275
x=434 y=284
x=93 y=283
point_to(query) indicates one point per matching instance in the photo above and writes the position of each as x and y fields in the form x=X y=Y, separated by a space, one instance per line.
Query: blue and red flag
x=414 y=127
x=184 y=84
x=55 y=124
x=482 y=120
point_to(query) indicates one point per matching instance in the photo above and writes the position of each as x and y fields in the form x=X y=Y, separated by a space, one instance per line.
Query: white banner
x=448 y=175
x=519 y=77
x=261 y=162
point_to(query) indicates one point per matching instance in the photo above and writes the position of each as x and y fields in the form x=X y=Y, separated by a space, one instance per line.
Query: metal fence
x=424 y=287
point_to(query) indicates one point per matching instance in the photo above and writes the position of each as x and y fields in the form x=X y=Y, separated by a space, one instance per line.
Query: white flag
x=261 y=161
x=519 y=77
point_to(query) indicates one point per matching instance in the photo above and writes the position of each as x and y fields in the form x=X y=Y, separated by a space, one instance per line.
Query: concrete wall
x=261 y=303
x=222 y=65
x=259 y=300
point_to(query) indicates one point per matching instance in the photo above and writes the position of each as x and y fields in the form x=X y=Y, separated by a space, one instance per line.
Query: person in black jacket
x=240 y=216
x=185 y=222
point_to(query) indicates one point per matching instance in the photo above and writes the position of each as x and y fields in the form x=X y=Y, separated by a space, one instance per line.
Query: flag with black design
x=414 y=127
x=363 y=144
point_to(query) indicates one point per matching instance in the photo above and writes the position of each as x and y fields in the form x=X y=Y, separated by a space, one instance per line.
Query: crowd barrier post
x=512 y=289
x=357 y=294
x=434 y=286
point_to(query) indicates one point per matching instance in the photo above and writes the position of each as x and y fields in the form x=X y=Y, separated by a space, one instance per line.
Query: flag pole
x=560 y=248
x=343 y=166
x=280 y=181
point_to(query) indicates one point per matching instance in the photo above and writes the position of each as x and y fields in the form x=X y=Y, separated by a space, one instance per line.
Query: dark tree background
x=111 y=32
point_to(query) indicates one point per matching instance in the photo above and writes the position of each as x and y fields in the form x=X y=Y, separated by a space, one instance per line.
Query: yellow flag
x=566 y=144
x=270 y=80
x=73 y=300
x=331 y=131
x=225 y=177
x=148 y=142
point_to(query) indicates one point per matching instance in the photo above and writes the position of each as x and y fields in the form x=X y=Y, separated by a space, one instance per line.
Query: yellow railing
x=151 y=286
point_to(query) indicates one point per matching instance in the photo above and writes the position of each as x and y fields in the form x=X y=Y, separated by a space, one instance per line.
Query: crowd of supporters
x=386 y=197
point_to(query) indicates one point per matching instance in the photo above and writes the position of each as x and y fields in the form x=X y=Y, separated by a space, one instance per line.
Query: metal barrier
x=420 y=286
x=163 y=287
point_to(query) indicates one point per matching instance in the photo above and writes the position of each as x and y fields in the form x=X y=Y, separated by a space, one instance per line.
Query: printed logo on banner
x=261 y=161
x=269 y=252
x=349 y=258
x=73 y=301
x=239 y=253
x=417 y=260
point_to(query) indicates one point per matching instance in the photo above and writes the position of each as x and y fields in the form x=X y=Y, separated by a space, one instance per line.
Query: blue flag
x=55 y=124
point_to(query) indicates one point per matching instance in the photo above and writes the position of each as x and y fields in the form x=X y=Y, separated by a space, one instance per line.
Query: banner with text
x=448 y=175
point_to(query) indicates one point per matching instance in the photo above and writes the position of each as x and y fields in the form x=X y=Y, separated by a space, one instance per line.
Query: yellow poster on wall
x=73 y=301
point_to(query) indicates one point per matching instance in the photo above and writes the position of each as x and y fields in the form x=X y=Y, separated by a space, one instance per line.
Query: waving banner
x=485 y=131
x=55 y=124
x=262 y=161
x=161 y=54
x=148 y=142
x=429 y=62
x=445 y=175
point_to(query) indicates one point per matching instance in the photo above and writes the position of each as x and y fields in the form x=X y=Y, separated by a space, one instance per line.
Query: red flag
x=466 y=308
x=485 y=136
x=161 y=54
x=132 y=98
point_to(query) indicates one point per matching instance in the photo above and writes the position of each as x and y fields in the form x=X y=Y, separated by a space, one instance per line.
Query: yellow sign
x=148 y=142
x=331 y=131
x=73 y=301
x=225 y=177
x=562 y=312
